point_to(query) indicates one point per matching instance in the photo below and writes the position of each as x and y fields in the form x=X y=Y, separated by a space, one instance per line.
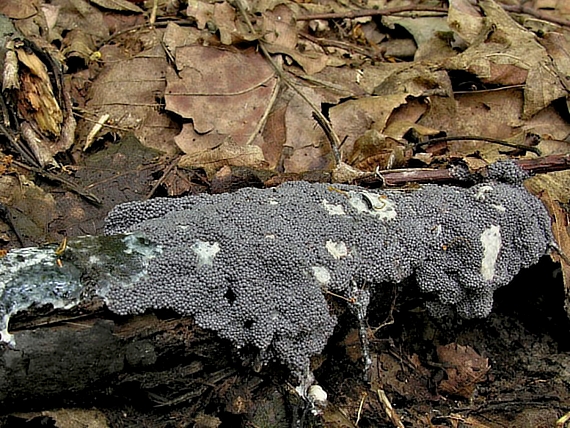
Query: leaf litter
x=204 y=93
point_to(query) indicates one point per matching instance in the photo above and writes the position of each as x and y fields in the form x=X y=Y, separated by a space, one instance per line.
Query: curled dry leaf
x=465 y=368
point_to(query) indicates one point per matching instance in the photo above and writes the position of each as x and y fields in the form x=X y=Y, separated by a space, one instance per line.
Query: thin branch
x=401 y=177
x=372 y=12
x=537 y=14
x=342 y=45
x=437 y=10
x=88 y=196
x=477 y=138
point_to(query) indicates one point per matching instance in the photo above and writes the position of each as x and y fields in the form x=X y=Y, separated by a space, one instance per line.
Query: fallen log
x=260 y=268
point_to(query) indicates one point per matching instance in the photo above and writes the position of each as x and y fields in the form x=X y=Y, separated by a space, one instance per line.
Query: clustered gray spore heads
x=507 y=171
x=255 y=265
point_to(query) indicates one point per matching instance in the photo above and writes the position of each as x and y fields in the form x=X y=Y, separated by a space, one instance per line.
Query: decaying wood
x=70 y=359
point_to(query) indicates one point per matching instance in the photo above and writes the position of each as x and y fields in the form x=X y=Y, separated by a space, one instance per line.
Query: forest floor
x=170 y=98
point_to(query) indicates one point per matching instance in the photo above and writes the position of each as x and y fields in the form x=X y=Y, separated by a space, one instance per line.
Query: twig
x=537 y=14
x=342 y=45
x=440 y=10
x=364 y=395
x=390 y=412
x=152 y=19
x=88 y=196
x=261 y=122
x=95 y=130
x=76 y=112
x=474 y=138
x=173 y=163
x=562 y=421
x=23 y=150
x=372 y=12
x=400 y=177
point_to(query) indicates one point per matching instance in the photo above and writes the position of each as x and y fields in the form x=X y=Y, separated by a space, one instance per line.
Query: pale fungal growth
x=205 y=252
x=322 y=275
x=491 y=241
x=336 y=249
x=63 y=276
x=373 y=204
x=317 y=395
x=255 y=266
x=333 y=209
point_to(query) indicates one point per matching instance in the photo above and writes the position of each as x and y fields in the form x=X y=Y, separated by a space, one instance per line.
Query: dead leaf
x=558 y=49
x=68 y=418
x=129 y=92
x=418 y=80
x=227 y=153
x=226 y=95
x=353 y=118
x=465 y=20
x=561 y=231
x=176 y=36
x=374 y=150
x=431 y=36
x=118 y=5
x=503 y=53
x=279 y=27
x=31 y=209
x=75 y=14
x=122 y=172
x=310 y=62
x=389 y=372
x=18 y=9
x=232 y=30
x=556 y=183
x=200 y=11
x=465 y=368
x=306 y=146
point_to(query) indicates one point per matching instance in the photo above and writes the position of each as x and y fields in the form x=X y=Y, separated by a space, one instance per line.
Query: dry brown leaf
x=558 y=49
x=353 y=118
x=127 y=90
x=503 y=46
x=79 y=14
x=306 y=146
x=118 y=5
x=18 y=9
x=556 y=183
x=226 y=95
x=310 y=62
x=464 y=18
x=200 y=11
x=279 y=27
x=79 y=46
x=31 y=209
x=494 y=114
x=231 y=28
x=176 y=36
x=226 y=154
x=70 y=418
x=558 y=7
x=430 y=34
x=417 y=80
x=374 y=150
x=389 y=372
x=465 y=368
